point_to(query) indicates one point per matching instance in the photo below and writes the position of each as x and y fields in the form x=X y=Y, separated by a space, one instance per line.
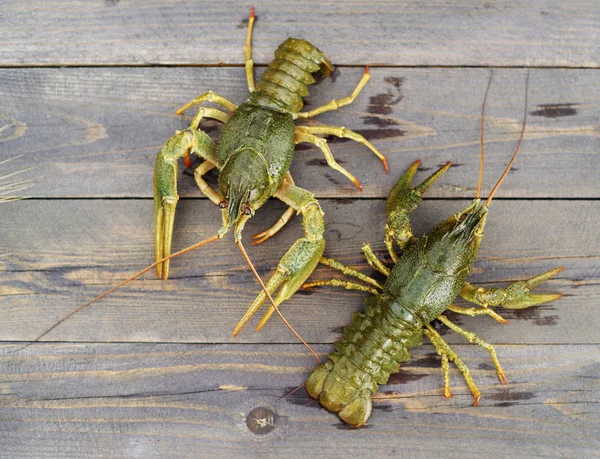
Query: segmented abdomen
x=284 y=83
x=372 y=348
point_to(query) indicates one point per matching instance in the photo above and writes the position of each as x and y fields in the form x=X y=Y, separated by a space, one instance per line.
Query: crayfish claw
x=543 y=277
x=165 y=198
x=405 y=198
x=302 y=257
x=274 y=282
x=163 y=234
x=294 y=268
x=518 y=294
x=402 y=200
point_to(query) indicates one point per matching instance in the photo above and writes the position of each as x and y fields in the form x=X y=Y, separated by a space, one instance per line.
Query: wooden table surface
x=88 y=92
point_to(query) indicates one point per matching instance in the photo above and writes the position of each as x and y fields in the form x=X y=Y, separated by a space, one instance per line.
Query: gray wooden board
x=96 y=132
x=189 y=401
x=83 y=133
x=58 y=254
x=503 y=32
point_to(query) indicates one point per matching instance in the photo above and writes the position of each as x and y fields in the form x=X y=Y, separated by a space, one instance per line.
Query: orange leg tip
x=367 y=69
x=259 y=239
x=385 y=164
x=357 y=183
x=187 y=160
x=252 y=12
x=476 y=402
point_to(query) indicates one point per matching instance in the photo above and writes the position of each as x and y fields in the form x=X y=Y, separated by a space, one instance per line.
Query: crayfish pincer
x=253 y=159
x=420 y=287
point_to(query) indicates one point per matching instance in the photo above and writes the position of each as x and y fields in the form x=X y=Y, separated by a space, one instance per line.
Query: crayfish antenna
x=9 y=188
x=514 y=156
x=293 y=391
x=287 y=324
x=118 y=286
x=481 y=162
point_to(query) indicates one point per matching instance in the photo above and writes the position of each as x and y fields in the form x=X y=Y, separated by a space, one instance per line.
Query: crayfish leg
x=347 y=270
x=205 y=188
x=211 y=96
x=287 y=215
x=344 y=133
x=473 y=338
x=303 y=137
x=249 y=63
x=447 y=353
x=262 y=237
x=473 y=312
x=337 y=103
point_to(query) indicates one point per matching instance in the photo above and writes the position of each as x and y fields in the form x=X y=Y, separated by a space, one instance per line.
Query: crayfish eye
x=247 y=210
x=223 y=204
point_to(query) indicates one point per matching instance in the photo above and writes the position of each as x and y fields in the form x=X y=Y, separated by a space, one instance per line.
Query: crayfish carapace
x=420 y=287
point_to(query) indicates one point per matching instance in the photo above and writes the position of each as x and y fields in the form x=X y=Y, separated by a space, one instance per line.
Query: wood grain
x=189 y=401
x=60 y=254
x=136 y=32
x=96 y=132
x=88 y=93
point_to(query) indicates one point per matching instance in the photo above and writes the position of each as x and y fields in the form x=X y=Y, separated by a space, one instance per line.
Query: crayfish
x=420 y=287
x=253 y=158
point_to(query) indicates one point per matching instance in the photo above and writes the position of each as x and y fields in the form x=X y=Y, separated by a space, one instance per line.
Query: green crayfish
x=253 y=158
x=420 y=287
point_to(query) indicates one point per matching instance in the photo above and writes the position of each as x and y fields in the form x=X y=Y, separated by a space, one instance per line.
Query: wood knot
x=261 y=420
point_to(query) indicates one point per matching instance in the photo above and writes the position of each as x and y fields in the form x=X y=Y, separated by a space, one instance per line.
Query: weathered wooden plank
x=188 y=401
x=96 y=132
x=505 y=32
x=57 y=255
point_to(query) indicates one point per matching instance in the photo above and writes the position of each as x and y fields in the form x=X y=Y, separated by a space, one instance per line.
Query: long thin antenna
x=245 y=255
x=480 y=180
x=118 y=286
x=514 y=156
x=291 y=392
